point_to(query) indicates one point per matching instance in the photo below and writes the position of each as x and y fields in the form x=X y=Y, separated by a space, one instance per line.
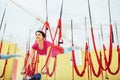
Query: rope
x=2 y=18
x=72 y=51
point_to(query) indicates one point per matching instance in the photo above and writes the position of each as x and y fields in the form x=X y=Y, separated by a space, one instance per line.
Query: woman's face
x=39 y=36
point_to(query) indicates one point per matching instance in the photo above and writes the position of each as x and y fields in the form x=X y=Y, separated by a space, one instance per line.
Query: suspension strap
x=59 y=26
x=47 y=27
x=72 y=50
x=110 y=20
x=60 y=41
x=74 y=61
x=2 y=18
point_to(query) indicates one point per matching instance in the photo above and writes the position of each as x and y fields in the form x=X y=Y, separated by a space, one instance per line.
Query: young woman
x=43 y=47
x=3 y=56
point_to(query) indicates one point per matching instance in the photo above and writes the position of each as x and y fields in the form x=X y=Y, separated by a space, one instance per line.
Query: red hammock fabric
x=107 y=62
x=59 y=27
x=92 y=67
x=30 y=70
x=0 y=47
x=47 y=27
x=117 y=70
x=75 y=65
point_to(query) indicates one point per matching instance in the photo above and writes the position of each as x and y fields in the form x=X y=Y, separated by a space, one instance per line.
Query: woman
x=3 y=56
x=43 y=47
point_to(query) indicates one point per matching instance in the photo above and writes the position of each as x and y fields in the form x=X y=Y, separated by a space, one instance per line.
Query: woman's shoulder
x=45 y=41
x=35 y=44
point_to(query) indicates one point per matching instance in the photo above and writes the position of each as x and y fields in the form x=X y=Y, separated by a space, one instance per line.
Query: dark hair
x=43 y=34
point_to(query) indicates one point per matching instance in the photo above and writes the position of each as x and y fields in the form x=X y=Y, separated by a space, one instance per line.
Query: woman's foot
x=23 y=72
x=44 y=70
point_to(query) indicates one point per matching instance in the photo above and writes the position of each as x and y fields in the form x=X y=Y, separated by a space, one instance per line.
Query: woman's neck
x=40 y=42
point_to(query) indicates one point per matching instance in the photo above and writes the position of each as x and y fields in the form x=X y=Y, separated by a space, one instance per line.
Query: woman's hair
x=43 y=34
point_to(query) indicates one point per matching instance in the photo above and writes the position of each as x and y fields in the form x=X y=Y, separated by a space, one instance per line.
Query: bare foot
x=23 y=72
x=44 y=70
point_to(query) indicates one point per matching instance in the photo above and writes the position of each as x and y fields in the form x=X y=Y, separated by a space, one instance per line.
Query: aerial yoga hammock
x=43 y=48
x=107 y=62
x=47 y=46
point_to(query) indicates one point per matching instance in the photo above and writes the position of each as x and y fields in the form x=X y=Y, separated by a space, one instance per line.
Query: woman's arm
x=7 y=56
x=44 y=69
x=32 y=52
x=48 y=50
x=30 y=57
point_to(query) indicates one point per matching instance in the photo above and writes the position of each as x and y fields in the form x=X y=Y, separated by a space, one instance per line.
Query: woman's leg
x=3 y=56
x=67 y=50
x=44 y=69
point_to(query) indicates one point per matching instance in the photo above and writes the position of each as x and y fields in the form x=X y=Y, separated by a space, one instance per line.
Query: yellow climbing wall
x=63 y=69
x=3 y=51
x=10 y=63
x=6 y=47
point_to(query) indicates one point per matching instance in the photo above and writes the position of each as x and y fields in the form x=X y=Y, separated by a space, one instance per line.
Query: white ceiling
x=21 y=17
